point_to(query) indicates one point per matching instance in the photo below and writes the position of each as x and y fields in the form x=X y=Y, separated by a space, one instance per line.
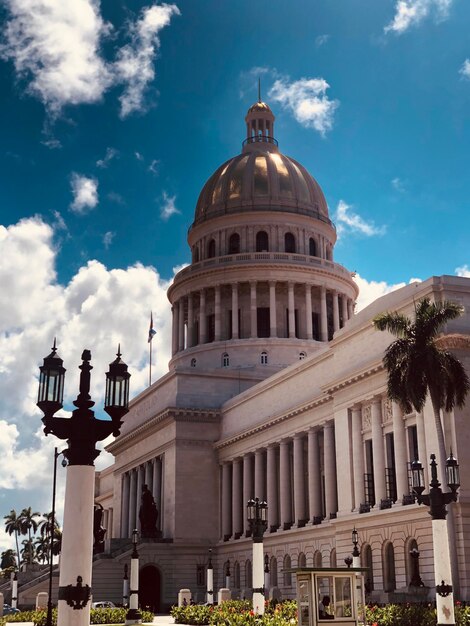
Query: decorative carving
x=76 y=596
x=366 y=417
x=387 y=411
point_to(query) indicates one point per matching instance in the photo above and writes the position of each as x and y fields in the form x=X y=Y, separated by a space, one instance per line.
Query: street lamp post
x=227 y=574
x=125 y=587
x=133 y=615
x=267 y=575
x=257 y=513
x=14 y=591
x=437 y=501
x=82 y=431
x=210 y=580
x=356 y=557
x=52 y=532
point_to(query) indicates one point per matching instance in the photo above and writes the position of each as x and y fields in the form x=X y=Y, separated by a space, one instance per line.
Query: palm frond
x=431 y=317
x=395 y=323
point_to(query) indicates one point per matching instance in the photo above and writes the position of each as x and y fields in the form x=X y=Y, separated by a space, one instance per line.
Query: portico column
x=190 y=321
x=181 y=325
x=217 y=320
x=358 y=457
x=331 y=499
x=308 y=311
x=422 y=451
x=344 y=308
x=132 y=501
x=125 y=506
x=399 y=441
x=148 y=476
x=237 y=504
x=259 y=474
x=140 y=471
x=202 y=317
x=226 y=502
x=247 y=487
x=350 y=308
x=235 y=311
x=378 y=451
x=272 y=310
x=299 y=481
x=291 y=307
x=323 y=315
x=285 y=484
x=253 y=312
x=157 y=489
x=314 y=476
x=273 y=515
x=174 y=328
x=335 y=311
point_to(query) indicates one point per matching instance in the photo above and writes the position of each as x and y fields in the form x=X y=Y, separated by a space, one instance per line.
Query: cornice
x=172 y=413
x=341 y=383
x=278 y=419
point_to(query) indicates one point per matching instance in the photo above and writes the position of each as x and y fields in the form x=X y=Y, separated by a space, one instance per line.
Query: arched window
x=193 y=362
x=236 y=575
x=234 y=244
x=287 y=580
x=211 y=249
x=262 y=241
x=248 y=575
x=366 y=561
x=317 y=559
x=302 y=560
x=333 y=558
x=264 y=358
x=273 y=571
x=389 y=567
x=411 y=560
x=302 y=356
x=225 y=359
x=289 y=242
x=195 y=254
x=312 y=247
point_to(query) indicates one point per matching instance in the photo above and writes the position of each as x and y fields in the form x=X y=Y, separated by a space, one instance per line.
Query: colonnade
x=191 y=312
x=149 y=473
x=107 y=522
x=297 y=477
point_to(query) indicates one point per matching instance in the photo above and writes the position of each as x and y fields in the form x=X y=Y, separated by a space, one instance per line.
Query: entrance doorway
x=149 y=588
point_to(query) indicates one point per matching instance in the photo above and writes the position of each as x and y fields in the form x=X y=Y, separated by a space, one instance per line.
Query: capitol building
x=276 y=389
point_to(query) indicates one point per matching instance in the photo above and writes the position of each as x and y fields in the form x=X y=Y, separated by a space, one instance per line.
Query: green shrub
x=97 y=616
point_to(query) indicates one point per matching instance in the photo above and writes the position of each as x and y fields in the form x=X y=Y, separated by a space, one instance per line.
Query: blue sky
x=114 y=114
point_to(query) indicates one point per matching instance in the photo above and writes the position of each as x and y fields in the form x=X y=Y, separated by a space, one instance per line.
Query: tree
x=8 y=559
x=28 y=552
x=43 y=542
x=29 y=525
x=418 y=364
x=13 y=526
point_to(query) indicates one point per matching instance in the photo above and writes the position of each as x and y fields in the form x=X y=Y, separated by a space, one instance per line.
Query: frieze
x=387 y=411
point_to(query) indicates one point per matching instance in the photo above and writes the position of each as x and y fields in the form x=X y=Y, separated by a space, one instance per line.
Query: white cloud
x=108 y=238
x=111 y=153
x=56 y=48
x=398 y=184
x=153 y=167
x=321 y=40
x=97 y=309
x=168 y=207
x=134 y=64
x=410 y=13
x=465 y=69
x=348 y=221
x=138 y=156
x=306 y=99
x=371 y=290
x=85 y=193
x=464 y=270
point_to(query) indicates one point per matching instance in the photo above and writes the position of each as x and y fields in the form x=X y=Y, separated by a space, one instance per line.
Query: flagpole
x=150 y=363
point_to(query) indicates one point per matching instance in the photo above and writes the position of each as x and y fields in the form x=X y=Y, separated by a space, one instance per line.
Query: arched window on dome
x=312 y=247
x=302 y=356
x=193 y=362
x=225 y=359
x=211 y=249
x=289 y=243
x=234 y=244
x=262 y=241
x=264 y=358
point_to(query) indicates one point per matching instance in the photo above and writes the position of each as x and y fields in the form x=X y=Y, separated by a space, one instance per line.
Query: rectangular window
x=210 y=327
x=200 y=575
x=263 y=321
x=316 y=326
x=369 y=475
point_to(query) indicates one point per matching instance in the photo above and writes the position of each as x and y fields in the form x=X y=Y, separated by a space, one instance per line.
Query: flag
x=152 y=331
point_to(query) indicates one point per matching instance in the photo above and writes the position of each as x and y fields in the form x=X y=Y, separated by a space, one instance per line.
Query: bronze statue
x=98 y=531
x=148 y=514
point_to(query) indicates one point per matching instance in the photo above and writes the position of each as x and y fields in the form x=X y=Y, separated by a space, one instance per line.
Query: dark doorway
x=149 y=588
x=263 y=321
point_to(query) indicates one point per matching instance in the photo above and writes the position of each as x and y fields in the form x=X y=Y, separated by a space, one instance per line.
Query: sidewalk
x=163 y=620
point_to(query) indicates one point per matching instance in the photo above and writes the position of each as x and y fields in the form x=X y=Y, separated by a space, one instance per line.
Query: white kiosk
x=330 y=596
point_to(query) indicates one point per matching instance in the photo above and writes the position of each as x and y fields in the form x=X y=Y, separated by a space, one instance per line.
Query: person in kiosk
x=323 y=608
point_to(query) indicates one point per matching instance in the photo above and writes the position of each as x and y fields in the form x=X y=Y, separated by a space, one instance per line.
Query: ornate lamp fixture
x=257 y=515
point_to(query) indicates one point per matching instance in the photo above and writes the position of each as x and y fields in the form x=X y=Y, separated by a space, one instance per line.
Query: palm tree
x=28 y=523
x=13 y=526
x=28 y=552
x=43 y=542
x=8 y=559
x=418 y=363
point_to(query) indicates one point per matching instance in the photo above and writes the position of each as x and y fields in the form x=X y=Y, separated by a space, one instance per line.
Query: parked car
x=103 y=604
x=8 y=610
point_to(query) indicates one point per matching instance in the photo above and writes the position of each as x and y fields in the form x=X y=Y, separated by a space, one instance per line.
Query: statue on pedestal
x=148 y=515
